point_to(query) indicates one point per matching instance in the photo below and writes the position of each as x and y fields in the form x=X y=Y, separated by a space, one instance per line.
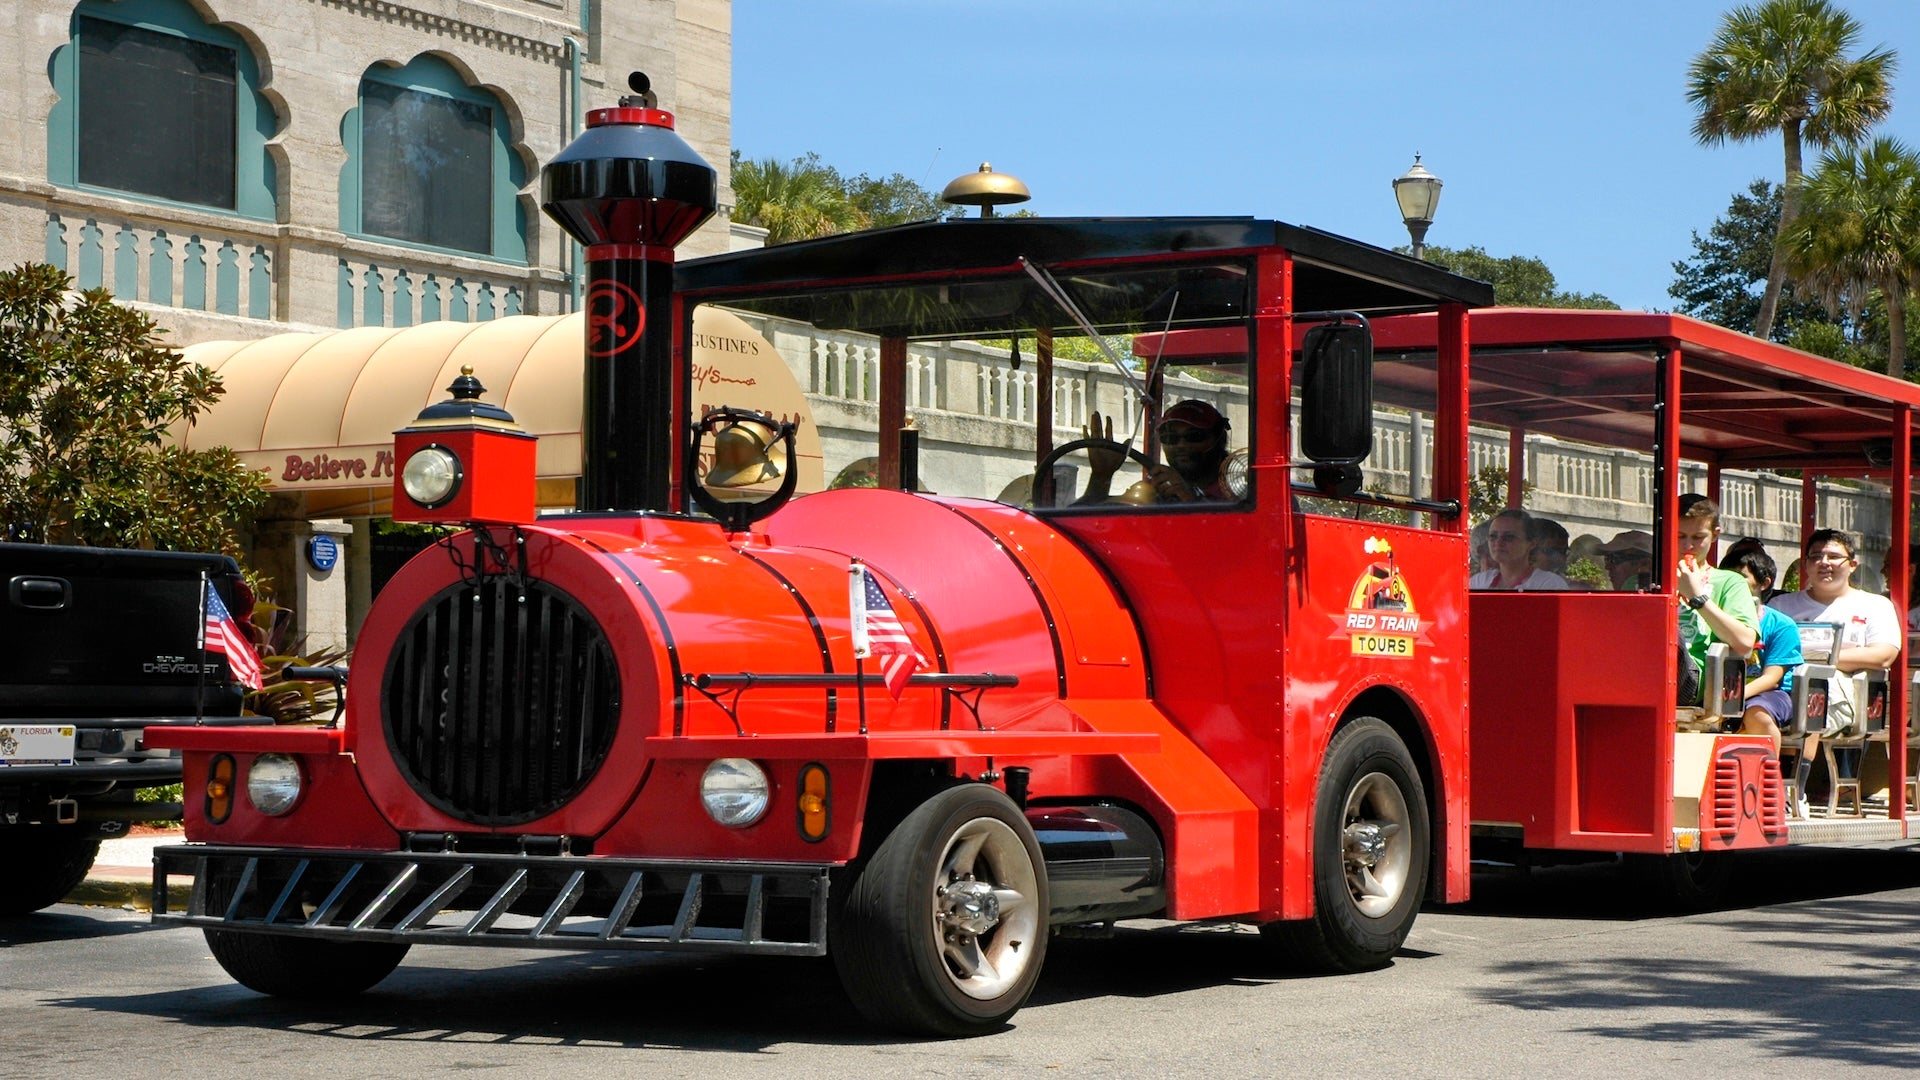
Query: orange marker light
x=220 y=772
x=815 y=804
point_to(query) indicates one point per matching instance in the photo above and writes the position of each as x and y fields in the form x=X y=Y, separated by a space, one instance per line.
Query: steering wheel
x=1043 y=473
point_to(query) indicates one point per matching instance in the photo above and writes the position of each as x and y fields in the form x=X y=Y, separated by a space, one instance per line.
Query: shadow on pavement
x=1803 y=901
x=1858 y=1013
x=1613 y=891
x=60 y=923
x=733 y=1005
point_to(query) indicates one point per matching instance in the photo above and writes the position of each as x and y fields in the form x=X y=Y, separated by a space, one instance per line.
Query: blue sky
x=1560 y=127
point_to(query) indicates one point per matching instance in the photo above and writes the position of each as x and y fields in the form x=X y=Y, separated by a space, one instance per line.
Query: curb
x=127 y=894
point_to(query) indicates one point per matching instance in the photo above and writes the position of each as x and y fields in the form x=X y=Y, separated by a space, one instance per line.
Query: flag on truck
x=877 y=631
x=222 y=635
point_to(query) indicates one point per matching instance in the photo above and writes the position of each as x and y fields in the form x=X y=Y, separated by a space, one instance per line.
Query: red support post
x=1900 y=544
x=893 y=408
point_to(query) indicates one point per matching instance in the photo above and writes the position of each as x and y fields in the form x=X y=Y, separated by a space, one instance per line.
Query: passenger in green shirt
x=1715 y=604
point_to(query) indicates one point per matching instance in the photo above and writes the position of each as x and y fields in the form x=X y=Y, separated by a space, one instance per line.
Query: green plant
x=163 y=794
x=1587 y=572
x=1487 y=493
x=296 y=701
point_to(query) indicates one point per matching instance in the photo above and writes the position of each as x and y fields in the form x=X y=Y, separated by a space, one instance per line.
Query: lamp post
x=1418 y=193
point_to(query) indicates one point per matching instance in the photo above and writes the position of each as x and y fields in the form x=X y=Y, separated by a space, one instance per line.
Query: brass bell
x=745 y=452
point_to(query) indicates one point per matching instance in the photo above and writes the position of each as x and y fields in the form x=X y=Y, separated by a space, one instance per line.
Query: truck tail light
x=220 y=774
x=815 y=807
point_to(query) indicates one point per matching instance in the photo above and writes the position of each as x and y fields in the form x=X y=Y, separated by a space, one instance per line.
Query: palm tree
x=1859 y=229
x=1783 y=66
x=795 y=201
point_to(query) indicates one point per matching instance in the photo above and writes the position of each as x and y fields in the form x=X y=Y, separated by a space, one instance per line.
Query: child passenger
x=1769 y=689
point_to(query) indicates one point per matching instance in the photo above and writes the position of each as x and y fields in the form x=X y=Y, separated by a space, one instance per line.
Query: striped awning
x=317 y=411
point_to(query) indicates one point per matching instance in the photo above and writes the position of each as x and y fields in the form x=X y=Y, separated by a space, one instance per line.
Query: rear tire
x=1695 y=881
x=43 y=864
x=945 y=929
x=1371 y=846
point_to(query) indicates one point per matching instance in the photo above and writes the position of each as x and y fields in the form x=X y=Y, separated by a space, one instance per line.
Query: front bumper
x=515 y=900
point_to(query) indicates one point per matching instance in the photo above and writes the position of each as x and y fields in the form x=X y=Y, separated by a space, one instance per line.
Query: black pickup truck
x=97 y=645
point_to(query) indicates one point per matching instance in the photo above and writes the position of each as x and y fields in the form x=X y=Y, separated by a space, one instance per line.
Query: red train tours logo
x=1380 y=619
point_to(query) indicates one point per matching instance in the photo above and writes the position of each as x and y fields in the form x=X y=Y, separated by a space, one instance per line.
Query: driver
x=1193 y=436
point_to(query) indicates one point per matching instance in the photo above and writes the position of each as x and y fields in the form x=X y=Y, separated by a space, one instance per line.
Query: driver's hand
x=1169 y=485
x=1102 y=460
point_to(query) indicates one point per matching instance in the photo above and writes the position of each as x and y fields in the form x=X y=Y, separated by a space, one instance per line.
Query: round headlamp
x=431 y=476
x=734 y=792
x=273 y=783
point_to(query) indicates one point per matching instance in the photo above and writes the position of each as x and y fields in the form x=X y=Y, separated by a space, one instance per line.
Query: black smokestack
x=629 y=189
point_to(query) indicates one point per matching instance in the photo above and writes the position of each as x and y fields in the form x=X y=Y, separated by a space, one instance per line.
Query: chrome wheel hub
x=986 y=920
x=969 y=907
x=1376 y=845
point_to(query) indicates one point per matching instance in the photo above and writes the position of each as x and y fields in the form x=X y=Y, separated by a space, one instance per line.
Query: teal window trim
x=255 y=179
x=430 y=75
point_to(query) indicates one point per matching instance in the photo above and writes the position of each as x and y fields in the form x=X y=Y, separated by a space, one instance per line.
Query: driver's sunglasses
x=1174 y=434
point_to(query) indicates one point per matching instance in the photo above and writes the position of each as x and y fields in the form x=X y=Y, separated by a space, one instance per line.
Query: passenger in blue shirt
x=1770 y=666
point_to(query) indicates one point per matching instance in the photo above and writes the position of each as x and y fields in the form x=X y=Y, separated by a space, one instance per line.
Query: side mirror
x=1336 y=394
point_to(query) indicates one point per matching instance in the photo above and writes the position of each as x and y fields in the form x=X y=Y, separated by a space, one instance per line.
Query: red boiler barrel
x=509 y=683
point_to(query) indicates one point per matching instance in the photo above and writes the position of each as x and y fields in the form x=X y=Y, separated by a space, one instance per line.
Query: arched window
x=429 y=162
x=155 y=103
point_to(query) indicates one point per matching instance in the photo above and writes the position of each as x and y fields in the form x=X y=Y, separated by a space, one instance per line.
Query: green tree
x=1782 y=66
x=798 y=200
x=1859 y=230
x=88 y=396
x=1718 y=283
x=1517 y=280
x=1828 y=339
x=895 y=200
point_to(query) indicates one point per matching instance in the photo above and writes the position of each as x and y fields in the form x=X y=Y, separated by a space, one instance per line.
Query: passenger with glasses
x=1629 y=560
x=1870 y=634
x=1511 y=539
x=1192 y=436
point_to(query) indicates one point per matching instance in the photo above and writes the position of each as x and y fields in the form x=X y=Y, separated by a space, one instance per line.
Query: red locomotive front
x=1213 y=669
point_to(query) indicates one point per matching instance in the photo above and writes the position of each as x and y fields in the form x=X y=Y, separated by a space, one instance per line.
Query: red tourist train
x=919 y=732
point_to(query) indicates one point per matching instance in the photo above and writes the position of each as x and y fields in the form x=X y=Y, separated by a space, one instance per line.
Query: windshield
x=999 y=371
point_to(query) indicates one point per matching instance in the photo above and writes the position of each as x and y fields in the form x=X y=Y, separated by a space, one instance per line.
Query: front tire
x=945 y=929
x=1371 y=845
x=43 y=864
x=295 y=967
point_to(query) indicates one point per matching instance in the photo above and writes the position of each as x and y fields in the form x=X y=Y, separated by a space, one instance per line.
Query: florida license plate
x=36 y=744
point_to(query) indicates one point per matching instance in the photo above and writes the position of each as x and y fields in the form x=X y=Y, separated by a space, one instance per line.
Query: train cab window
x=1002 y=379
x=1399 y=463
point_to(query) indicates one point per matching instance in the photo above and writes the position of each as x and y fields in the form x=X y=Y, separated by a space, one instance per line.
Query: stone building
x=246 y=168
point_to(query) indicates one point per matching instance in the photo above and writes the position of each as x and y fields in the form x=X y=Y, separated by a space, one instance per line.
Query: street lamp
x=1418 y=193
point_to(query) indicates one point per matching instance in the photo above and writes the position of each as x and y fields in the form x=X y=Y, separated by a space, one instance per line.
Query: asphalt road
x=1559 y=973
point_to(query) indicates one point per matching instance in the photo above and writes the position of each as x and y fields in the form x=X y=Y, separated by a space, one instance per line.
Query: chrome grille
x=500 y=701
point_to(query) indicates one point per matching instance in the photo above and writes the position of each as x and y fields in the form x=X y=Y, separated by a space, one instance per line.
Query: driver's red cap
x=1195 y=413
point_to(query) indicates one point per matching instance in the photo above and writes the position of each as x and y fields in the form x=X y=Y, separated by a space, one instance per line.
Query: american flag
x=877 y=632
x=223 y=635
